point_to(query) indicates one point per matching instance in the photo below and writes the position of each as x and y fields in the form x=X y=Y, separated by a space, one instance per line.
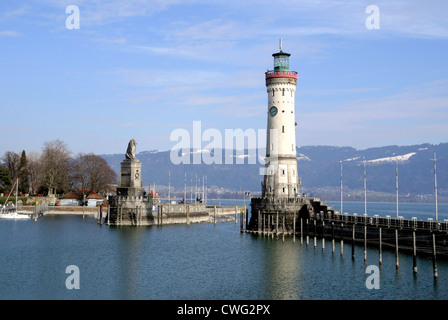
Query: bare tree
x=55 y=166
x=90 y=174
x=34 y=171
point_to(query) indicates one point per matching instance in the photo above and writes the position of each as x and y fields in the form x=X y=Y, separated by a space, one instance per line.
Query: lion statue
x=130 y=153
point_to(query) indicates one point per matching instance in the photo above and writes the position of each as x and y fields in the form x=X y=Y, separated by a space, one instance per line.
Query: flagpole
x=435 y=185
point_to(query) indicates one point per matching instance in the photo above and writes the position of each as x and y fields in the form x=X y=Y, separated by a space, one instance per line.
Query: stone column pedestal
x=130 y=178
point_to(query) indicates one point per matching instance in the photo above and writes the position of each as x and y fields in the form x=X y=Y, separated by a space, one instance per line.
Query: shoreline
x=62 y=210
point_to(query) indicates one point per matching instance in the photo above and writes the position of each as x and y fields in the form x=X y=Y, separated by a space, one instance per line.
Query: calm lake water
x=202 y=261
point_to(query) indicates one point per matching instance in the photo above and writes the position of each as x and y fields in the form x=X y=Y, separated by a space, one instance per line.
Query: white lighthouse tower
x=281 y=178
x=281 y=204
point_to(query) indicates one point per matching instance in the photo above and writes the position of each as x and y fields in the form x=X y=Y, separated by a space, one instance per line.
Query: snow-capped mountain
x=318 y=167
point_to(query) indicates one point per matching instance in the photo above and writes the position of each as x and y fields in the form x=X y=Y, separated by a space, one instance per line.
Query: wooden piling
x=323 y=235
x=264 y=224
x=434 y=258
x=307 y=233
x=301 y=230
x=380 y=247
x=414 y=255
x=315 y=234
x=283 y=227
x=353 y=241
x=276 y=225
x=365 y=242
x=323 y=229
x=119 y=214
x=268 y=220
x=397 y=262
x=342 y=239
x=332 y=237
x=241 y=220
x=294 y=228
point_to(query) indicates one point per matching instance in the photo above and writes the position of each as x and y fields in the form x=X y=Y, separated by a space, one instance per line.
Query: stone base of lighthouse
x=271 y=213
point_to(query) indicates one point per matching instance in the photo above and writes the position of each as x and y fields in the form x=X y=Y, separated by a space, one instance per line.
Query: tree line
x=55 y=171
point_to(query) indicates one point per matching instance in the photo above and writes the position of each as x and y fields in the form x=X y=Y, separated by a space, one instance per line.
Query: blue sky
x=141 y=69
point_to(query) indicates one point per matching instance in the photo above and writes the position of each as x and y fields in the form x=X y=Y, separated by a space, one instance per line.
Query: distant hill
x=318 y=166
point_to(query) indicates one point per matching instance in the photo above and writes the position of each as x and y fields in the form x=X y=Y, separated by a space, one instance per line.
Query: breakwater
x=141 y=211
x=428 y=238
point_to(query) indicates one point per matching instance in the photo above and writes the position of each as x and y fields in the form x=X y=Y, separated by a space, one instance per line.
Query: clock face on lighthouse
x=273 y=111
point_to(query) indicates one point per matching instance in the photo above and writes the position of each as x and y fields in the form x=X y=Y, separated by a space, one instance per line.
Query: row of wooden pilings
x=268 y=224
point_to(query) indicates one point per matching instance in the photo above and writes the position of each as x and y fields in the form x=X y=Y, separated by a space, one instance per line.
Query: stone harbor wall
x=130 y=207
x=148 y=211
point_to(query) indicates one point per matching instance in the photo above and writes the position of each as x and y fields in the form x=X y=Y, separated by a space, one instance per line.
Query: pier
x=427 y=238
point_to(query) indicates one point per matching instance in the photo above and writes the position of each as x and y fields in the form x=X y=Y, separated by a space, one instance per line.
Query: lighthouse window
x=283 y=129
x=283 y=172
x=283 y=190
x=283 y=92
x=273 y=92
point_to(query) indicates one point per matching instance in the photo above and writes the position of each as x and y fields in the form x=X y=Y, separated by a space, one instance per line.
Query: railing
x=268 y=200
x=281 y=74
x=386 y=222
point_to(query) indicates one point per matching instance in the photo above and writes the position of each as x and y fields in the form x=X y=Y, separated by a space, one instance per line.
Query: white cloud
x=107 y=11
x=10 y=33
x=416 y=114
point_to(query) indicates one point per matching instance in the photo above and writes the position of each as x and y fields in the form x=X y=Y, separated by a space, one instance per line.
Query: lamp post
x=435 y=185
x=342 y=211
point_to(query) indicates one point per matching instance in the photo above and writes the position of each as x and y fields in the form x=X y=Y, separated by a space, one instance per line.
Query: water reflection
x=129 y=253
x=282 y=269
x=201 y=261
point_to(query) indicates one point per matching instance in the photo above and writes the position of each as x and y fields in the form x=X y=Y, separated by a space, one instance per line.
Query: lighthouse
x=281 y=208
x=281 y=179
